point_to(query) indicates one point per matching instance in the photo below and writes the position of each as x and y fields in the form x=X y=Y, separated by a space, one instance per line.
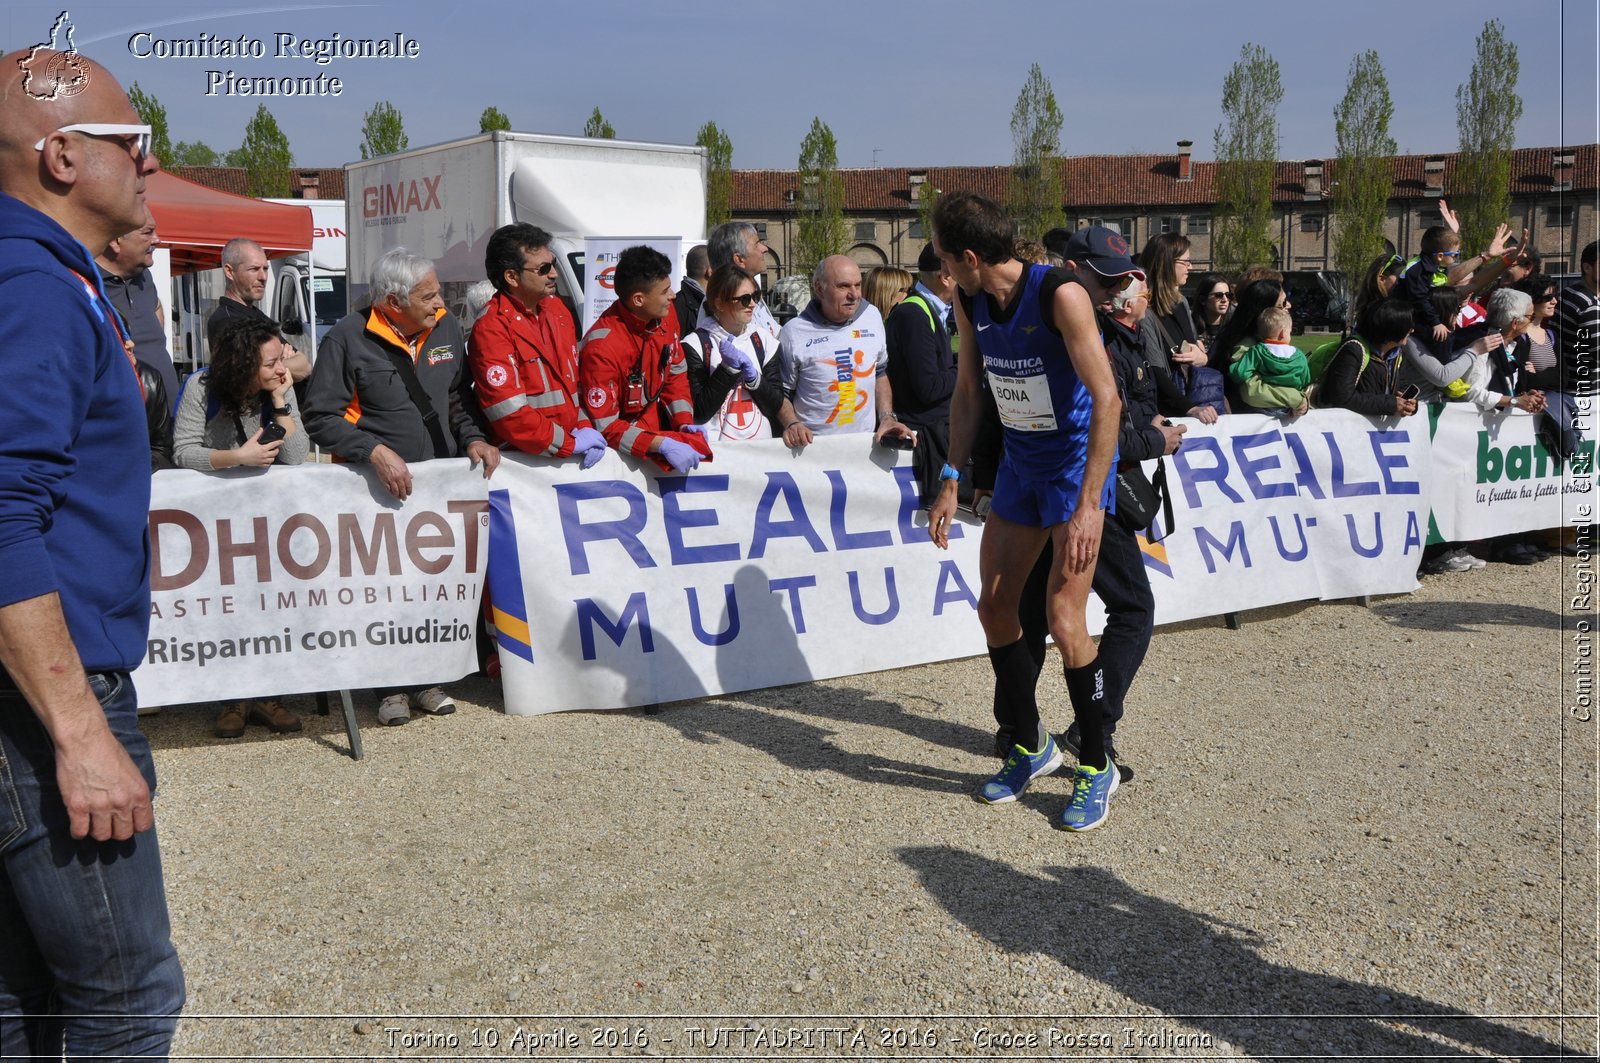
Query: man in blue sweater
x=87 y=953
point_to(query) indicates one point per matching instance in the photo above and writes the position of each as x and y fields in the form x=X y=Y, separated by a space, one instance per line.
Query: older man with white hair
x=391 y=386
x=835 y=362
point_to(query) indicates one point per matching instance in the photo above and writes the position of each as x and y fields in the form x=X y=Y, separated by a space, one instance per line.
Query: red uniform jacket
x=526 y=372
x=634 y=382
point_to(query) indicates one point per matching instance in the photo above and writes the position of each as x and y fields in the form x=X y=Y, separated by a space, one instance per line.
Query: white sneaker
x=1472 y=562
x=394 y=710
x=1460 y=561
x=435 y=702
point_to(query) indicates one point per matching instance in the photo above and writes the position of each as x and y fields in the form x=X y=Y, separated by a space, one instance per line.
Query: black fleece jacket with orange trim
x=357 y=398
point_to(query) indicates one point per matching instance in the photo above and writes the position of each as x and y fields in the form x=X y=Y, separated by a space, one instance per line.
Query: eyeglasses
x=748 y=299
x=1183 y=262
x=139 y=133
x=543 y=269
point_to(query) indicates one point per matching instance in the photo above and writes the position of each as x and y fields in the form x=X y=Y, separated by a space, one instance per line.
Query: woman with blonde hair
x=885 y=286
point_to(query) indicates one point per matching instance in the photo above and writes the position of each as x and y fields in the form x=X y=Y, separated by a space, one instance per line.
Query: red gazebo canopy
x=193 y=222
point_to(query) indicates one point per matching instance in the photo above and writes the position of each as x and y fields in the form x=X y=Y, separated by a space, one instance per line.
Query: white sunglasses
x=104 y=129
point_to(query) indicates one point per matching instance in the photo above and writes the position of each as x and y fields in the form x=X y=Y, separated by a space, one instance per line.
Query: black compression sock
x=1016 y=677
x=1086 y=686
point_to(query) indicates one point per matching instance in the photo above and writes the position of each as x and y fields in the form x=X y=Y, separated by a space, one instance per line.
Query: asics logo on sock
x=1099 y=683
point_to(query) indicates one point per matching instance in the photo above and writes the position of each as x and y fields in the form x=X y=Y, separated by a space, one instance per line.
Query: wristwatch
x=281 y=411
x=949 y=472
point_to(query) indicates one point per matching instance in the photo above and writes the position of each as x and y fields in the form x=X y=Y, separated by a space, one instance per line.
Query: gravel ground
x=1345 y=837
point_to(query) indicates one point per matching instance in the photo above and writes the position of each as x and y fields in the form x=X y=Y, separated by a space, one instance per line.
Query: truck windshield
x=576 y=260
x=331 y=295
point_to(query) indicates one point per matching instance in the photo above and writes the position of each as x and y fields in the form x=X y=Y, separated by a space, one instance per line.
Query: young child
x=1273 y=375
x=1441 y=249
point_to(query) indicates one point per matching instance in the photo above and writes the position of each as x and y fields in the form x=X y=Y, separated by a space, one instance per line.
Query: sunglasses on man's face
x=134 y=138
x=1114 y=284
x=543 y=269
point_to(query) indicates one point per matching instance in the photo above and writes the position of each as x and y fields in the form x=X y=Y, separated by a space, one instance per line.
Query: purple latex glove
x=739 y=360
x=591 y=444
x=681 y=456
x=697 y=429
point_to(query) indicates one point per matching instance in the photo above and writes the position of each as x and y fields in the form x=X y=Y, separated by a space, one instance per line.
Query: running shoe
x=1020 y=769
x=1091 y=797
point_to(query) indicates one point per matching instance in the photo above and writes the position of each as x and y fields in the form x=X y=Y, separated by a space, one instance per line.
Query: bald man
x=835 y=362
x=87 y=949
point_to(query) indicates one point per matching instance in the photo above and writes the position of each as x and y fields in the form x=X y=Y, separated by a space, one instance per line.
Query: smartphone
x=898 y=443
x=1411 y=391
x=272 y=432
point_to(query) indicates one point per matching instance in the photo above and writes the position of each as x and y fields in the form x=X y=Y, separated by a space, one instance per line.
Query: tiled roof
x=1109 y=182
x=222 y=178
x=330 y=180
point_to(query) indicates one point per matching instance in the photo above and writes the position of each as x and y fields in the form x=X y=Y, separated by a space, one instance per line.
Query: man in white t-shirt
x=835 y=362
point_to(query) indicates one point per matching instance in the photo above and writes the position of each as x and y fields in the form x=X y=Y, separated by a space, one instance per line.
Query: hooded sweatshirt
x=74 y=457
x=830 y=371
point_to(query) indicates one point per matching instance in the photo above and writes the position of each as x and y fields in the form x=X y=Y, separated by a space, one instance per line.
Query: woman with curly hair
x=240 y=410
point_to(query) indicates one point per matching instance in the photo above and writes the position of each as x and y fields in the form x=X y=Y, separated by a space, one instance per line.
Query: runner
x=1034 y=327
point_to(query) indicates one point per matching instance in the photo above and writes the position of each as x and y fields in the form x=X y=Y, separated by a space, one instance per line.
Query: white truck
x=311 y=287
x=300 y=289
x=444 y=202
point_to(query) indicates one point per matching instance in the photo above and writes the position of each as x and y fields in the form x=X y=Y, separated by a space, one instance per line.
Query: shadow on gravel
x=807 y=747
x=1466 y=616
x=1190 y=965
x=857 y=706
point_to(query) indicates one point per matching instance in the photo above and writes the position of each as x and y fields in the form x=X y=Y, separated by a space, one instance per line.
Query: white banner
x=312 y=577
x=620 y=586
x=600 y=263
x=765 y=568
x=759 y=569
x=1493 y=476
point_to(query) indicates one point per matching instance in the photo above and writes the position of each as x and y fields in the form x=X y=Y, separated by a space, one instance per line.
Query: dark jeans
x=85 y=947
x=1123 y=586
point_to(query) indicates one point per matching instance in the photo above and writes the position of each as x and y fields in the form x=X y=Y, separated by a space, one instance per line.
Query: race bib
x=1023 y=402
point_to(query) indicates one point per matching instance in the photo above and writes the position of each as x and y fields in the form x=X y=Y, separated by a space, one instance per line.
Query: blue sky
x=901 y=84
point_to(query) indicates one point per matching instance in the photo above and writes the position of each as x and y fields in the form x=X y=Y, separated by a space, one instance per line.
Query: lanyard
x=116 y=326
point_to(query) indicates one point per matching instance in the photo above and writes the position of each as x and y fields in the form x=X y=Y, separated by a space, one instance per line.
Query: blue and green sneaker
x=1091 y=797
x=1020 y=769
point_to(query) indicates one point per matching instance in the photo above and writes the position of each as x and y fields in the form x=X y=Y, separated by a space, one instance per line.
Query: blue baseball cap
x=1103 y=250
